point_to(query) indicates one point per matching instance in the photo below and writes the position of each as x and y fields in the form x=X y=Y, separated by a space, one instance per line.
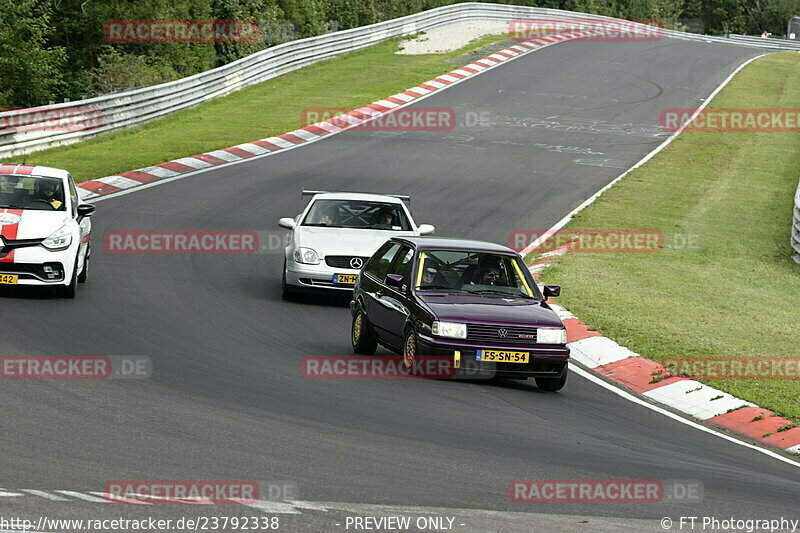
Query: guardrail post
x=796 y=227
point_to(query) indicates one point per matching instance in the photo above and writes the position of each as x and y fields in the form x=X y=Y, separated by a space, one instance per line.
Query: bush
x=117 y=71
x=31 y=70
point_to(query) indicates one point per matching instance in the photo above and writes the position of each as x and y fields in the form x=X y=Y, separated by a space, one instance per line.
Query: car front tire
x=84 y=275
x=69 y=291
x=552 y=384
x=286 y=292
x=361 y=336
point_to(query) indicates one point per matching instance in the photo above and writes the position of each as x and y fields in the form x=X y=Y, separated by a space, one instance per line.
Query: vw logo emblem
x=356 y=263
x=502 y=333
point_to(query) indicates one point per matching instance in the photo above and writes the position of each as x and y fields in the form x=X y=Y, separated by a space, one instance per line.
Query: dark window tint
x=378 y=265
x=403 y=262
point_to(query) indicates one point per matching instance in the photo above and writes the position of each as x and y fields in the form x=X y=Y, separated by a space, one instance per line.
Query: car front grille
x=34 y=271
x=498 y=334
x=343 y=261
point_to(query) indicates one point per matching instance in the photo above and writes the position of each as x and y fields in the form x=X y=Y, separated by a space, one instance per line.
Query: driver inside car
x=328 y=216
x=48 y=191
x=491 y=272
x=384 y=220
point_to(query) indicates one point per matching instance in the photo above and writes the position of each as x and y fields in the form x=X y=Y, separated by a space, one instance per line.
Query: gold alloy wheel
x=357 y=325
x=409 y=350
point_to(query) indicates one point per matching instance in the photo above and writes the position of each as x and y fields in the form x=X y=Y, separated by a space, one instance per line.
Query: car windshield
x=474 y=273
x=357 y=214
x=31 y=192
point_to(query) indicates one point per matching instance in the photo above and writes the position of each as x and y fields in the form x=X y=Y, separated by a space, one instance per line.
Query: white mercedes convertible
x=336 y=233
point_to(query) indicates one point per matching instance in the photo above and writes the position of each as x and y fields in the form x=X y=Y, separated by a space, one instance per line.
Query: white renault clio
x=336 y=233
x=44 y=229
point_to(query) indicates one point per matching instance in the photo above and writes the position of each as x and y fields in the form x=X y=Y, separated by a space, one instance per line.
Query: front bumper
x=29 y=263
x=545 y=361
x=316 y=276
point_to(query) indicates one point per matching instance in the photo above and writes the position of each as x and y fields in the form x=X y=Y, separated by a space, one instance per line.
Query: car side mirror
x=395 y=281
x=85 y=211
x=287 y=223
x=426 y=229
x=551 y=291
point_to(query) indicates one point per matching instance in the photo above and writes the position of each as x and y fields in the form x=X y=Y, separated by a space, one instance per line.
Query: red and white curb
x=314 y=132
x=652 y=380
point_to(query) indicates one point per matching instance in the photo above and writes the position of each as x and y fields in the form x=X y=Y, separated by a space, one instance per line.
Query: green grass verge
x=256 y=112
x=736 y=292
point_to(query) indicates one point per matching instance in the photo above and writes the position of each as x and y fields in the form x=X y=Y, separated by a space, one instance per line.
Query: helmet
x=41 y=185
x=486 y=267
x=385 y=212
x=488 y=261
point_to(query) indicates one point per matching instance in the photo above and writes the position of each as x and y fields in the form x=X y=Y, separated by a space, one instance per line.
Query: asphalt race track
x=226 y=399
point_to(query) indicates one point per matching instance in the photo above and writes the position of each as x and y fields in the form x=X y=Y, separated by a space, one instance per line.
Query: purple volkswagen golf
x=472 y=300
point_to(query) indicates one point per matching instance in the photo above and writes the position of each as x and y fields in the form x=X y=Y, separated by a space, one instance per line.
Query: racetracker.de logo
x=195 y=242
x=75 y=367
x=180 y=31
x=599 y=29
x=605 y=491
x=389 y=367
x=734 y=368
x=81 y=118
x=403 y=119
x=588 y=240
x=183 y=491
x=730 y=120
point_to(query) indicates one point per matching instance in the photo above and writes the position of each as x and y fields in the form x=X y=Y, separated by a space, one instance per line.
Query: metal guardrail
x=787 y=43
x=130 y=108
x=796 y=226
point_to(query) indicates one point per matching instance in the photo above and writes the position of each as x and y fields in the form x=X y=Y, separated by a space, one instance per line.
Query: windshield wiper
x=491 y=291
x=426 y=287
x=504 y=293
x=323 y=225
x=11 y=207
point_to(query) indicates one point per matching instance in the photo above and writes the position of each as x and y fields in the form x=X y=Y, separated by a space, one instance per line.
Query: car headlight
x=454 y=330
x=60 y=240
x=306 y=256
x=551 y=336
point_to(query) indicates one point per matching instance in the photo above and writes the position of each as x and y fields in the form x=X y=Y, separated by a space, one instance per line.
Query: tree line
x=52 y=50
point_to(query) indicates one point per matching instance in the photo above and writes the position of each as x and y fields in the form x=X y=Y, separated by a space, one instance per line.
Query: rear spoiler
x=403 y=197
